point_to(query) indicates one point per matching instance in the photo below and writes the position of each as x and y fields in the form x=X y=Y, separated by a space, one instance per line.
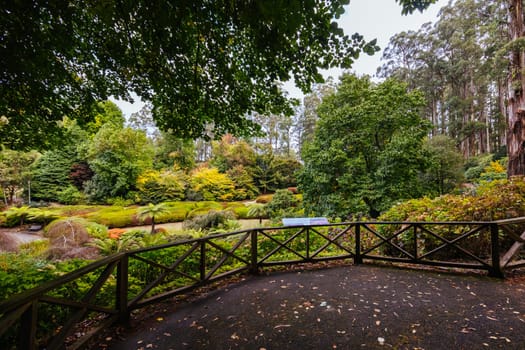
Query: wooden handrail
x=253 y=250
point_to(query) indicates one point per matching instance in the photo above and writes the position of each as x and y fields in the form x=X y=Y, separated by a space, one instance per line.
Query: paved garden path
x=345 y=307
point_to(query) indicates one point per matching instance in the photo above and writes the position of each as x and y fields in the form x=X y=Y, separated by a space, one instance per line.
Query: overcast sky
x=374 y=19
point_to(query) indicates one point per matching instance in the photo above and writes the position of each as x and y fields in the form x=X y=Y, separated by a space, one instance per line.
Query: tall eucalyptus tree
x=516 y=86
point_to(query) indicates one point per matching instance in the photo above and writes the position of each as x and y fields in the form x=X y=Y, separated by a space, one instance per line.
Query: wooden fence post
x=28 y=325
x=495 y=270
x=307 y=243
x=202 y=264
x=358 y=259
x=254 y=268
x=415 y=252
x=122 y=290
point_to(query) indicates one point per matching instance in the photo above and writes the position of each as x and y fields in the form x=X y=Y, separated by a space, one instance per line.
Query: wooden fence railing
x=66 y=312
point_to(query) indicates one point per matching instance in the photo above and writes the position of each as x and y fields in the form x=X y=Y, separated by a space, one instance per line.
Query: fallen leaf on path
x=282 y=326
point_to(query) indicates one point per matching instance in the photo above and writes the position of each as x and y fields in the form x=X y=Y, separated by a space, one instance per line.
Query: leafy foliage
x=259 y=211
x=197 y=63
x=151 y=211
x=244 y=185
x=105 y=113
x=42 y=216
x=36 y=271
x=17 y=215
x=410 y=6
x=51 y=175
x=445 y=165
x=173 y=152
x=108 y=246
x=162 y=186
x=367 y=149
x=500 y=199
x=14 y=172
x=475 y=166
x=71 y=195
x=212 y=221
x=496 y=170
x=496 y=200
x=283 y=203
x=212 y=185
x=61 y=167
x=229 y=153
x=118 y=157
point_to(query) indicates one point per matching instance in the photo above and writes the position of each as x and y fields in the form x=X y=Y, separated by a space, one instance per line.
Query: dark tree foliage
x=80 y=173
x=366 y=153
x=50 y=175
x=56 y=169
x=410 y=6
x=198 y=62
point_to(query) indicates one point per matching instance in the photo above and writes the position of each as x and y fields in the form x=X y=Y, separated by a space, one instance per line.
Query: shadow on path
x=352 y=307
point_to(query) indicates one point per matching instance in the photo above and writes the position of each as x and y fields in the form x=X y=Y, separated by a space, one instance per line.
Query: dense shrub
x=20 y=272
x=212 y=185
x=475 y=166
x=37 y=248
x=211 y=221
x=108 y=246
x=202 y=208
x=239 y=209
x=122 y=202
x=24 y=215
x=42 y=216
x=156 y=186
x=17 y=215
x=115 y=216
x=71 y=195
x=283 y=203
x=496 y=170
x=494 y=200
x=244 y=184
x=96 y=230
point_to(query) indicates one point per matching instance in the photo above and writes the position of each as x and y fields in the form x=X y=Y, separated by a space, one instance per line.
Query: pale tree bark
x=516 y=86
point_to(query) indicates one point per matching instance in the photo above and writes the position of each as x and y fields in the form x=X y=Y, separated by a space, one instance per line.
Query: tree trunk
x=516 y=86
x=502 y=107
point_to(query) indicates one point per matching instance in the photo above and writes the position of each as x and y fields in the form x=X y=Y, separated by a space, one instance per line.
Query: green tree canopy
x=445 y=165
x=106 y=112
x=117 y=157
x=14 y=172
x=367 y=149
x=198 y=62
x=61 y=167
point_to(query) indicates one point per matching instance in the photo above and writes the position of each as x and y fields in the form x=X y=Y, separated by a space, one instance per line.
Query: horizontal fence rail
x=68 y=311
